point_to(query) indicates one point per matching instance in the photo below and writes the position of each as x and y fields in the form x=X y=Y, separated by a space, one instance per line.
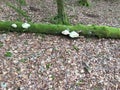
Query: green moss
x=61 y=17
x=84 y=3
x=93 y=30
x=60 y=20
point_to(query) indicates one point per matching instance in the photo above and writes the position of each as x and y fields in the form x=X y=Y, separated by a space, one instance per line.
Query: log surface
x=86 y=30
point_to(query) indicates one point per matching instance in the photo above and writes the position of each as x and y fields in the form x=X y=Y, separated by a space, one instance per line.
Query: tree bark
x=61 y=17
x=90 y=30
x=60 y=6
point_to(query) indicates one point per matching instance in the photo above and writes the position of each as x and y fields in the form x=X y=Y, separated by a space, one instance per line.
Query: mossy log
x=86 y=30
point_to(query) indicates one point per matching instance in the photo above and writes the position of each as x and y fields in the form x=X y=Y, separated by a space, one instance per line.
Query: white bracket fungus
x=25 y=25
x=3 y=20
x=90 y=33
x=14 y=25
x=73 y=34
x=66 y=32
x=89 y=25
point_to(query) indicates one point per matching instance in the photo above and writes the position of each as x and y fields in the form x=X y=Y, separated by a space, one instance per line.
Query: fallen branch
x=86 y=30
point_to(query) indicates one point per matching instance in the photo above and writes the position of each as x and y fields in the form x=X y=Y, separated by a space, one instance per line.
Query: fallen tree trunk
x=90 y=30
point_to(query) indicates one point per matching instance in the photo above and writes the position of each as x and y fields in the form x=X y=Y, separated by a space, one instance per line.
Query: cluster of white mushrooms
x=24 y=25
x=72 y=34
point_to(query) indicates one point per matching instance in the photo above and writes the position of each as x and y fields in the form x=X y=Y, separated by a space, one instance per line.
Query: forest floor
x=47 y=62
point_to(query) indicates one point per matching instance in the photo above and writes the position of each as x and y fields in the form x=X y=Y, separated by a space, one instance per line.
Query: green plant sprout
x=48 y=65
x=1 y=44
x=8 y=54
x=18 y=9
x=80 y=82
x=26 y=42
x=23 y=60
x=75 y=47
